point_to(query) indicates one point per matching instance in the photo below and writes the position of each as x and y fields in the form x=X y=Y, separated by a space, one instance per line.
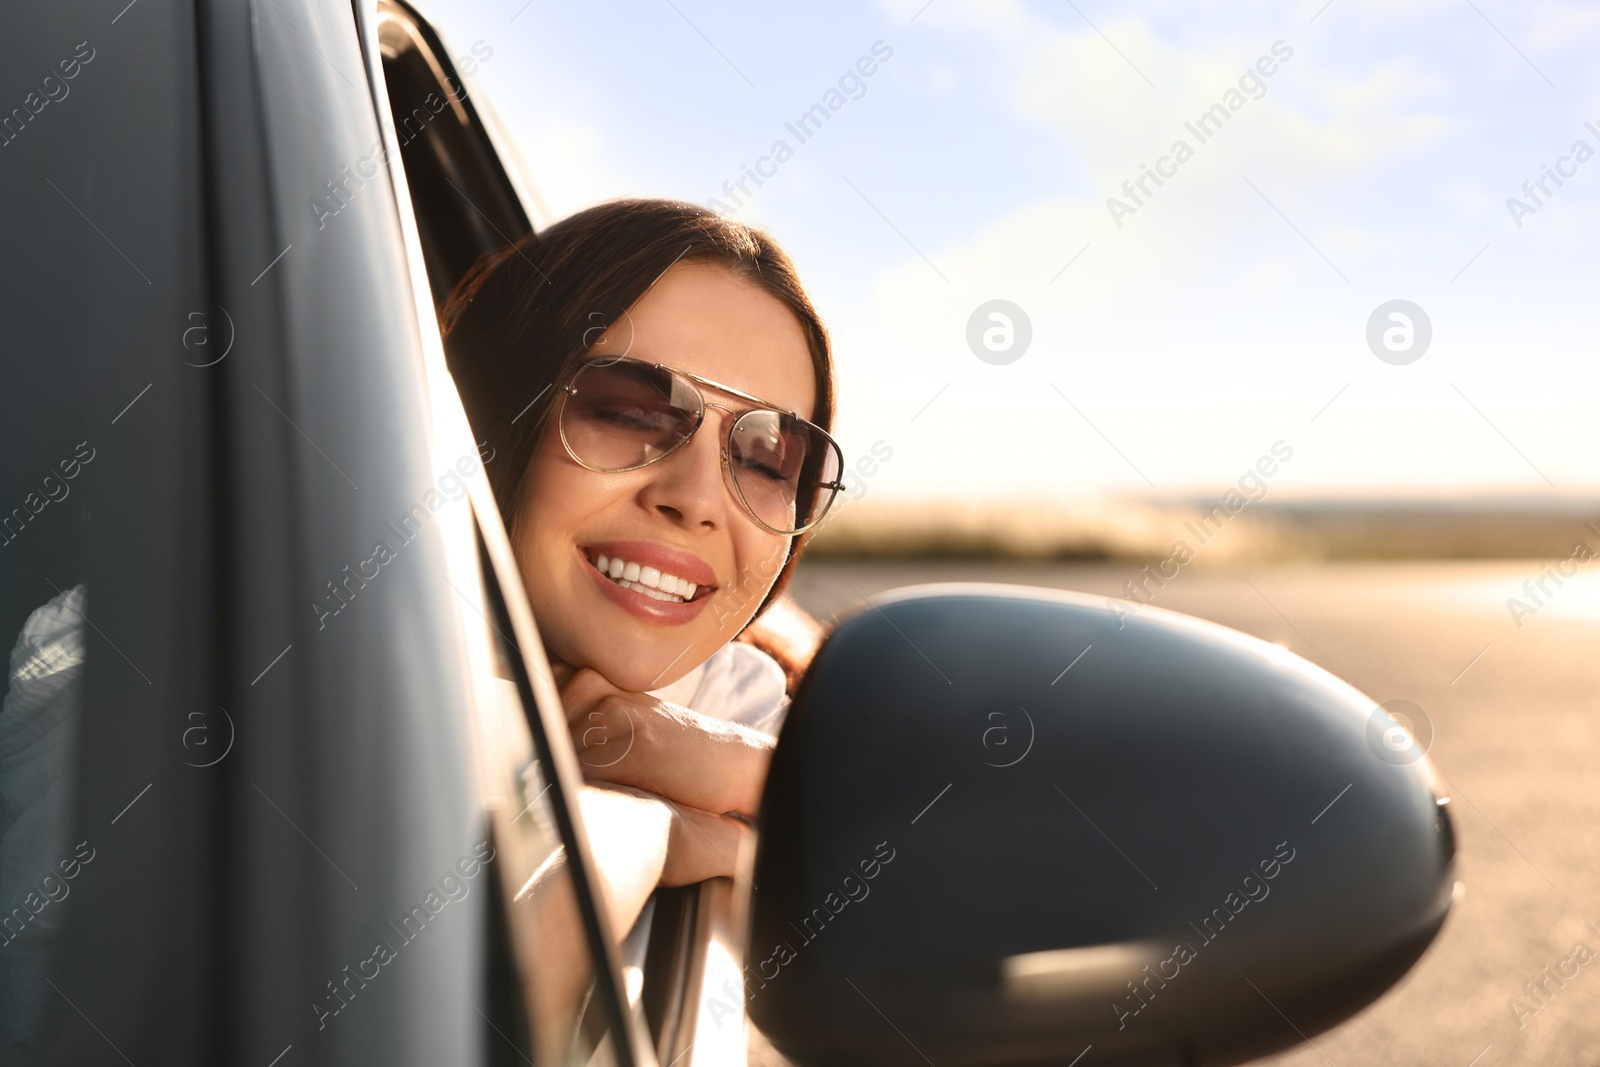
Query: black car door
x=277 y=750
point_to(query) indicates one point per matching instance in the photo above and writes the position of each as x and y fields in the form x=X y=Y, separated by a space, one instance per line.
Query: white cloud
x=1206 y=290
x=1561 y=26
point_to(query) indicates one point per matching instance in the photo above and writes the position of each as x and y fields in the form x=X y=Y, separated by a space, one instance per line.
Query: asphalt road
x=1516 y=737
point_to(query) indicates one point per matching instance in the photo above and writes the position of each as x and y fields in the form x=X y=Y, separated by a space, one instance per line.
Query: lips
x=651 y=580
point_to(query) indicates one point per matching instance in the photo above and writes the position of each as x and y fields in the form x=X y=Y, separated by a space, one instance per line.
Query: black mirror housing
x=1005 y=825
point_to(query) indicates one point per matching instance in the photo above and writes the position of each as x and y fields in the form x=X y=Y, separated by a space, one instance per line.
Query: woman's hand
x=698 y=845
x=693 y=760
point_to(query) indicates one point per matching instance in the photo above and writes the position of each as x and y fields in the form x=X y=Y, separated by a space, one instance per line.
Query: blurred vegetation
x=1481 y=527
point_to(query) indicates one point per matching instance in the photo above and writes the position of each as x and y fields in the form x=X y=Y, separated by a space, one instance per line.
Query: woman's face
x=675 y=515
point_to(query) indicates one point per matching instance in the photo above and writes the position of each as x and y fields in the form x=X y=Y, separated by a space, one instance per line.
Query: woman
x=657 y=389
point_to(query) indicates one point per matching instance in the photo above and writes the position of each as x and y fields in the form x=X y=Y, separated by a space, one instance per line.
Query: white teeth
x=647 y=591
x=648 y=580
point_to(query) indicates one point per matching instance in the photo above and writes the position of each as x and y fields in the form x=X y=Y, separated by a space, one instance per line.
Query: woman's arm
x=637 y=841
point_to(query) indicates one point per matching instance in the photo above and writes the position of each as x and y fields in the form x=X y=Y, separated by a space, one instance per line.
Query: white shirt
x=739 y=683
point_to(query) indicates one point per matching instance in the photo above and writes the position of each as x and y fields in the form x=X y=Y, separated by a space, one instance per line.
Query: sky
x=1359 y=153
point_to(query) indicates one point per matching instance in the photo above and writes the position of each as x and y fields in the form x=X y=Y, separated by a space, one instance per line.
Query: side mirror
x=1006 y=825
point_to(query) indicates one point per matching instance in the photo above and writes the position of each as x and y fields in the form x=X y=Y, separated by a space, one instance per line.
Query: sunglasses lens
x=782 y=467
x=621 y=415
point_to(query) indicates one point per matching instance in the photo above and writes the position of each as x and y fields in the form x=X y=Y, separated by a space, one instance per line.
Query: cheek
x=555 y=496
x=758 y=557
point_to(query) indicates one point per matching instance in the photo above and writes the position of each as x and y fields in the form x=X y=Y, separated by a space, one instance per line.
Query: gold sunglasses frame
x=568 y=388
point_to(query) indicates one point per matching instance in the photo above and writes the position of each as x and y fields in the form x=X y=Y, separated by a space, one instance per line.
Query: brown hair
x=523 y=317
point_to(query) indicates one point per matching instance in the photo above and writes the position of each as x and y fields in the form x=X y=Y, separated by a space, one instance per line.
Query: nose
x=687 y=486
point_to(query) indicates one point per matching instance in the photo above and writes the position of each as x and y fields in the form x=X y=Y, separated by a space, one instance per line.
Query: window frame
x=662 y=1021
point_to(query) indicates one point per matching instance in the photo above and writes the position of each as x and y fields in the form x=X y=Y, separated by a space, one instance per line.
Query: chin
x=645 y=666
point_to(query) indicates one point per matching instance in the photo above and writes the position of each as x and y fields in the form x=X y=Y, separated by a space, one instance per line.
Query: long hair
x=522 y=318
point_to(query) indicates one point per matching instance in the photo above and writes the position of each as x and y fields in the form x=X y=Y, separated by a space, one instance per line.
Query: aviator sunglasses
x=622 y=414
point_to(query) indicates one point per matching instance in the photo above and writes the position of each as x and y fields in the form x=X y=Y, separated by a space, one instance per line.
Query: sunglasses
x=622 y=414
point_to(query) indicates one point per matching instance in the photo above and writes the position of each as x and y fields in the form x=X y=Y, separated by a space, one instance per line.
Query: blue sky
x=1228 y=312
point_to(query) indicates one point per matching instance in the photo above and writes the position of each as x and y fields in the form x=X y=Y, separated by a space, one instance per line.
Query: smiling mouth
x=653 y=583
